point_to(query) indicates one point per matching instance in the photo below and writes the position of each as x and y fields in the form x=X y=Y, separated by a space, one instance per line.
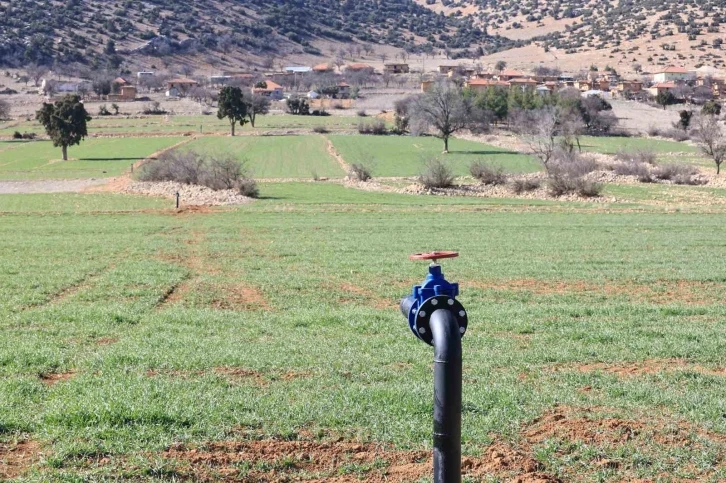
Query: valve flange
x=434 y=293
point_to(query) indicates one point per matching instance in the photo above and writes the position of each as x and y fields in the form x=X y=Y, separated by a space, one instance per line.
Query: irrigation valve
x=434 y=293
x=437 y=318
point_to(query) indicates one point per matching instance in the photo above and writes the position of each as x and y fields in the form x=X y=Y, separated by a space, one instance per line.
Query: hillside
x=575 y=33
x=221 y=32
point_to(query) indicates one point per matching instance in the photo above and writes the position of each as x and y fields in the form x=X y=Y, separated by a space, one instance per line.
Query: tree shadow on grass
x=110 y=159
x=482 y=153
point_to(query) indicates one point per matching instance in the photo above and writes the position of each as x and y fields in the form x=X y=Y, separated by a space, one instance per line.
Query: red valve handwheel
x=433 y=255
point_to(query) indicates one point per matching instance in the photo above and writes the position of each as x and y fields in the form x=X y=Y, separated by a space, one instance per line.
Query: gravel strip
x=49 y=186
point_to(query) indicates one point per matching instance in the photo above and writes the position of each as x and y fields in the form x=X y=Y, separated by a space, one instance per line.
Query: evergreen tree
x=65 y=122
x=232 y=106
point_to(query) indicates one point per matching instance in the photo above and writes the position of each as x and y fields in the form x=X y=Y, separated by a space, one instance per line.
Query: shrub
x=220 y=172
x=25 y=135
x=319 y=112
x=520 y=186
x=154 y=109
x=377 y=127
x=247 y=187
x=487 y=174
x=640 y=156
x=103 y=110
x=436 y=174
x=362 y=113
x=338 y=106
x=562 y=183
x=359 y=172
x=653 y=130
x=676 y=134
x=189 y=167
x=678 y=174
x=631 y=168
x=567 y=176
x=320 y=130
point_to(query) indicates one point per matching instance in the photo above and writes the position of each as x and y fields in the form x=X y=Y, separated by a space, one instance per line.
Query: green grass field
x=93 y=158
x=405 y=155
x=596 y=346
x=275 y=156
x=165 y=124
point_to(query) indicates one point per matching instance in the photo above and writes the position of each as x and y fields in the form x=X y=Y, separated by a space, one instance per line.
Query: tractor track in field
x=336 y=155
x=66 y=292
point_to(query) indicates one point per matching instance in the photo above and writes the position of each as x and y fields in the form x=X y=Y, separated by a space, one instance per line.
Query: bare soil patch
x=339 y=461
x=602 y=441
x=232 y=373
x=17 y=458
x=649 y=366
x=106 y=341
x=53 y=378
x=343 y=461
x=239 y=297
x=272 y=460
x=239 y=373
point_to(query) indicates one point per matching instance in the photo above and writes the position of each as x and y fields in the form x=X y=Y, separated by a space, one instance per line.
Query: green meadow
x=128 y=328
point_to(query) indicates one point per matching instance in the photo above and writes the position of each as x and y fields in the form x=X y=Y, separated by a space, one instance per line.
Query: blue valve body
x=434 y=285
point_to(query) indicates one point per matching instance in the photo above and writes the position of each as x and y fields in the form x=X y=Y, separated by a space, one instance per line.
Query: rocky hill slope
x=626 y=32
x=216 y=31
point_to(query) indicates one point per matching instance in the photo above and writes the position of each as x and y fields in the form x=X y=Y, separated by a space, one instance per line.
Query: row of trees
x=446 y=109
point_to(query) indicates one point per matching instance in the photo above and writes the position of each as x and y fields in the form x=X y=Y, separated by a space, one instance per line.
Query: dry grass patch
x=660 y=292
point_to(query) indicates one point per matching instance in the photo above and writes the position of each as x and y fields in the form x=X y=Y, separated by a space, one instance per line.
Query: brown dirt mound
x=17 y=458
x=649 y=366
x=51 y=379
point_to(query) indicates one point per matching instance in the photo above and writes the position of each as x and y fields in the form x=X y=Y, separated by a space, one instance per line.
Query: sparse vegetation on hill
x=105 y=34
x=573 y=26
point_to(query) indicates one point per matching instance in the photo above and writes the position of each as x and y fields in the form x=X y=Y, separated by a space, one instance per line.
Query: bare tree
x=339 y=63
x=446 y=110
x=710 y=137
x=4 y=109
x=368 y=48
x=186 y=70
x=386 y=78
x=383 y=56
x=538 y=130
x=36 y=72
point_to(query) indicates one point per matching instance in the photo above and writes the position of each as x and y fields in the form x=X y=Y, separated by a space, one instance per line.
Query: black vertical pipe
x=447 y=397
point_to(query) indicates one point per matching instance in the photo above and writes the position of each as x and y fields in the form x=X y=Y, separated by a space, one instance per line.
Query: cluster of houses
x=607 y=84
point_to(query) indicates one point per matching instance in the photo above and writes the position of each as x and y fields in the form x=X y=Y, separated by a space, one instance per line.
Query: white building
x=672 y=74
